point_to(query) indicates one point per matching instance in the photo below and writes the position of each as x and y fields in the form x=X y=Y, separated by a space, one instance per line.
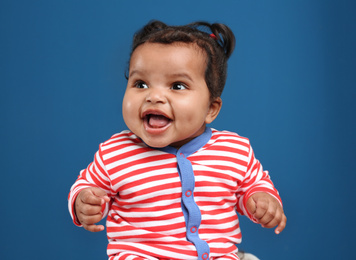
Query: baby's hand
x=267 y=211
x=88 y=208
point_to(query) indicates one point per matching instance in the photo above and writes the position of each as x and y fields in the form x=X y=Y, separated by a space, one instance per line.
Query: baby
x=170 y=186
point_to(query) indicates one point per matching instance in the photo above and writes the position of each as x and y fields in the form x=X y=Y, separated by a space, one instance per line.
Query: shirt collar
x=192 y=146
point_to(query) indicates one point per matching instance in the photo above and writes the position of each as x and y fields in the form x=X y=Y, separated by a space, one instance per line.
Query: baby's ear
x=214 y=110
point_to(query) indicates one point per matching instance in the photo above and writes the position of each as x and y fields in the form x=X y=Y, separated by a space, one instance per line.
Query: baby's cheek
x=128 y=109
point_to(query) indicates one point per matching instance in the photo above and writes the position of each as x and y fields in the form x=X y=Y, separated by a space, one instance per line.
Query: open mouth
x=157 y=121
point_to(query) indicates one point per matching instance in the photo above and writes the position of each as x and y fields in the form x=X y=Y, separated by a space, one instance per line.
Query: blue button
x=193 y=229
x=205 y=256
x=188 y=193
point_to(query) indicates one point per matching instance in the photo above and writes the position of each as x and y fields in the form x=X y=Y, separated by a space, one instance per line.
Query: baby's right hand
x=88 y=205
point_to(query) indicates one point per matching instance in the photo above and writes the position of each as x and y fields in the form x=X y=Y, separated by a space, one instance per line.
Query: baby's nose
x=156 y=95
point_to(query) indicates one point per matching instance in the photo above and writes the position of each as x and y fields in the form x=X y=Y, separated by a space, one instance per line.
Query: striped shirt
x=175 y=204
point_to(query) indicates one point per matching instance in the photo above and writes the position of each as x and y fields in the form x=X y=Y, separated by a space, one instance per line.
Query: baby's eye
x=141 y=84
x=178 y=86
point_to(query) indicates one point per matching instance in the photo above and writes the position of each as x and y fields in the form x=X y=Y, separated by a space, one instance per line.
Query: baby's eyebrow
x=172 y=75
x=134 y=72
x=181 y=75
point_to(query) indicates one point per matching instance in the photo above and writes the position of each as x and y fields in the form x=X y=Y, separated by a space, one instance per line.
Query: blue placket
x=192 y=214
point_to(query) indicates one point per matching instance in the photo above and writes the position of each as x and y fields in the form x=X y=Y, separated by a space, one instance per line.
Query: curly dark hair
x=216 y=40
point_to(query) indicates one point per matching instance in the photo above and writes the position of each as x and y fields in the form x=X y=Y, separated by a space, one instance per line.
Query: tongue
x=157 y=121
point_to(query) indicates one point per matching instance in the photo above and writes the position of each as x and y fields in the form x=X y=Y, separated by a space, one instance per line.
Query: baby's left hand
x=267 y=211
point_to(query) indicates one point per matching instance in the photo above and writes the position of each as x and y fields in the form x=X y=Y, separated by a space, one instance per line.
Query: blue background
x=290 y=89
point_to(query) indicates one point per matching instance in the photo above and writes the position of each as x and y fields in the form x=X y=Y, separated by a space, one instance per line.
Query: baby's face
x=167 y=101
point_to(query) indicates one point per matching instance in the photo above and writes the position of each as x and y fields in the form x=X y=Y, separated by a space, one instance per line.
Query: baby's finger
x=94 y=228
x=89 y=198
x=268 y=219
x=281 y=225
x=102 y=194
x=90 y=210
x=274 y=219
x=89 y=220
x=261 y=209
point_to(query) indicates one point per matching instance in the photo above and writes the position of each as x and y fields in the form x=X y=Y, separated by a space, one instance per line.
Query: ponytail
x=223 y=35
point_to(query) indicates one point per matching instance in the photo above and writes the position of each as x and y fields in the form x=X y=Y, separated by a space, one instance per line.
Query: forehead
x=168 y=55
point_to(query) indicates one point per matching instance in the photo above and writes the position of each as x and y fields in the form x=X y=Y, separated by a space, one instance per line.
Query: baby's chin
x=160 y=141
x=161 y=144
x=156 y=144
x=153 y=142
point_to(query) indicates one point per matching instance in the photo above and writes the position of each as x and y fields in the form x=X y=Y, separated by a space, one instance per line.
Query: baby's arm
x=258 y=198
x=89 y=197
x=88 y=208
x=267 y=211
